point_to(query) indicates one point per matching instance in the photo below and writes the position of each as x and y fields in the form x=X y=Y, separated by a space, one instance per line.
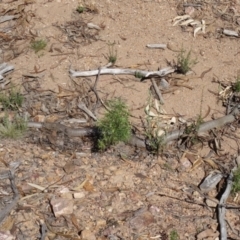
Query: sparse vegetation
x=185 y=62
x=236 y=181
x=115 y=126
x=236 y=85
x=154 y=142
x=87 y=7
x=191 y=131
x=38 y=45
x=112 y=53
x=152 y=130
x=11 y=100
x=14 y=128
x=81 y=9
x=138 y=74
x=174 y=235
x=190 y=135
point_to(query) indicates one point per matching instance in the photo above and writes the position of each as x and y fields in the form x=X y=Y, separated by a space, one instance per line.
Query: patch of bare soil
x=54 y=185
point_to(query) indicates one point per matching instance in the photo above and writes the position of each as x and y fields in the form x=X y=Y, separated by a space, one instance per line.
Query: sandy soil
x=106 y=195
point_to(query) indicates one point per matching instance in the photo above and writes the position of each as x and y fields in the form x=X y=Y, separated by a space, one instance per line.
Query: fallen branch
x=4 y=67
x=134 y=72
x=222 y=208
x=83 y=107
x=88 y=131
x=161 y=46
x=217 y=123
x=157 y=90
x=6 y=211
x=230 y=33
x=8 y=17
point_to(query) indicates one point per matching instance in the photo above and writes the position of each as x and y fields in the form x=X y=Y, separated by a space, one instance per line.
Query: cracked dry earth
x=125 y=192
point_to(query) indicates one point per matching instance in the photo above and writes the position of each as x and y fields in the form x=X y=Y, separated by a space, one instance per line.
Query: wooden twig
x=159 y=94
x=83 y=107
x=4 y=67
x=94 y=89
x=116 y=71
x=43 y=231
x=8 y=17
x=222 y=208
x=217 y=123
x=230 y=33
x=6 y=211
x=161 y=46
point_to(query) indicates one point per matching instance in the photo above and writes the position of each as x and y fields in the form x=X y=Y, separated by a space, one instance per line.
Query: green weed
x=190 y=135
x=115 y=125
x=174 y=235
x=154 y=143
x=12 y=128
x=81 y=9
x=11 y=100
x=184 y=62
x=112 y=53
x=38 y=45
x=139 y=75
x=236 y=85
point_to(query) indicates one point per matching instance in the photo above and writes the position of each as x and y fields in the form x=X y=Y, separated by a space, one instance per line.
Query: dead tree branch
x=134 y=72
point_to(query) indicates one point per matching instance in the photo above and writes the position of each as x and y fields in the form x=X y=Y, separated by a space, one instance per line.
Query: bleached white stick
x=8 y=17
x=5 y=68
x=161 y=46
x=119 y=71
x=230 y=33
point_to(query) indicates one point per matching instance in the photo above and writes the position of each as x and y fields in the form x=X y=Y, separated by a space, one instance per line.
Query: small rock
x=211 y=203
x=62 y=206
x=69 y=167
x=87 y=235
x=185 y=163
x=141 y=220
x=79 y=195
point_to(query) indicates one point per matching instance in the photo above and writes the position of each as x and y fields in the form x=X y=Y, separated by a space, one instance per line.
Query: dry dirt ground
x=71 y=192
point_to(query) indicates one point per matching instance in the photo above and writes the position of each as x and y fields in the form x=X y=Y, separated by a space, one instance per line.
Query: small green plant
x=112 y=53
x=184 y=62
x=11 y=100
x=139 y=75
x=81 y=9
x=190 y=135
x=14 y=128
x=38 y=45
x=191 y=132
x=174 y=235
x=115 y=125
x=236 y=181
x=154 y=142
x=236 y=85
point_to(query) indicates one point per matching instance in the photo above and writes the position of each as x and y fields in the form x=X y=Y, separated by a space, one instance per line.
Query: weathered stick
x=6 y=211
x=161 y=46
x=222 y=208
x=4 y=67
x=8 y=17
x=116 y=71
x=217 y=123
x=157 y=90
x=83 y=107
x=87 y=131
x=230 y=33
